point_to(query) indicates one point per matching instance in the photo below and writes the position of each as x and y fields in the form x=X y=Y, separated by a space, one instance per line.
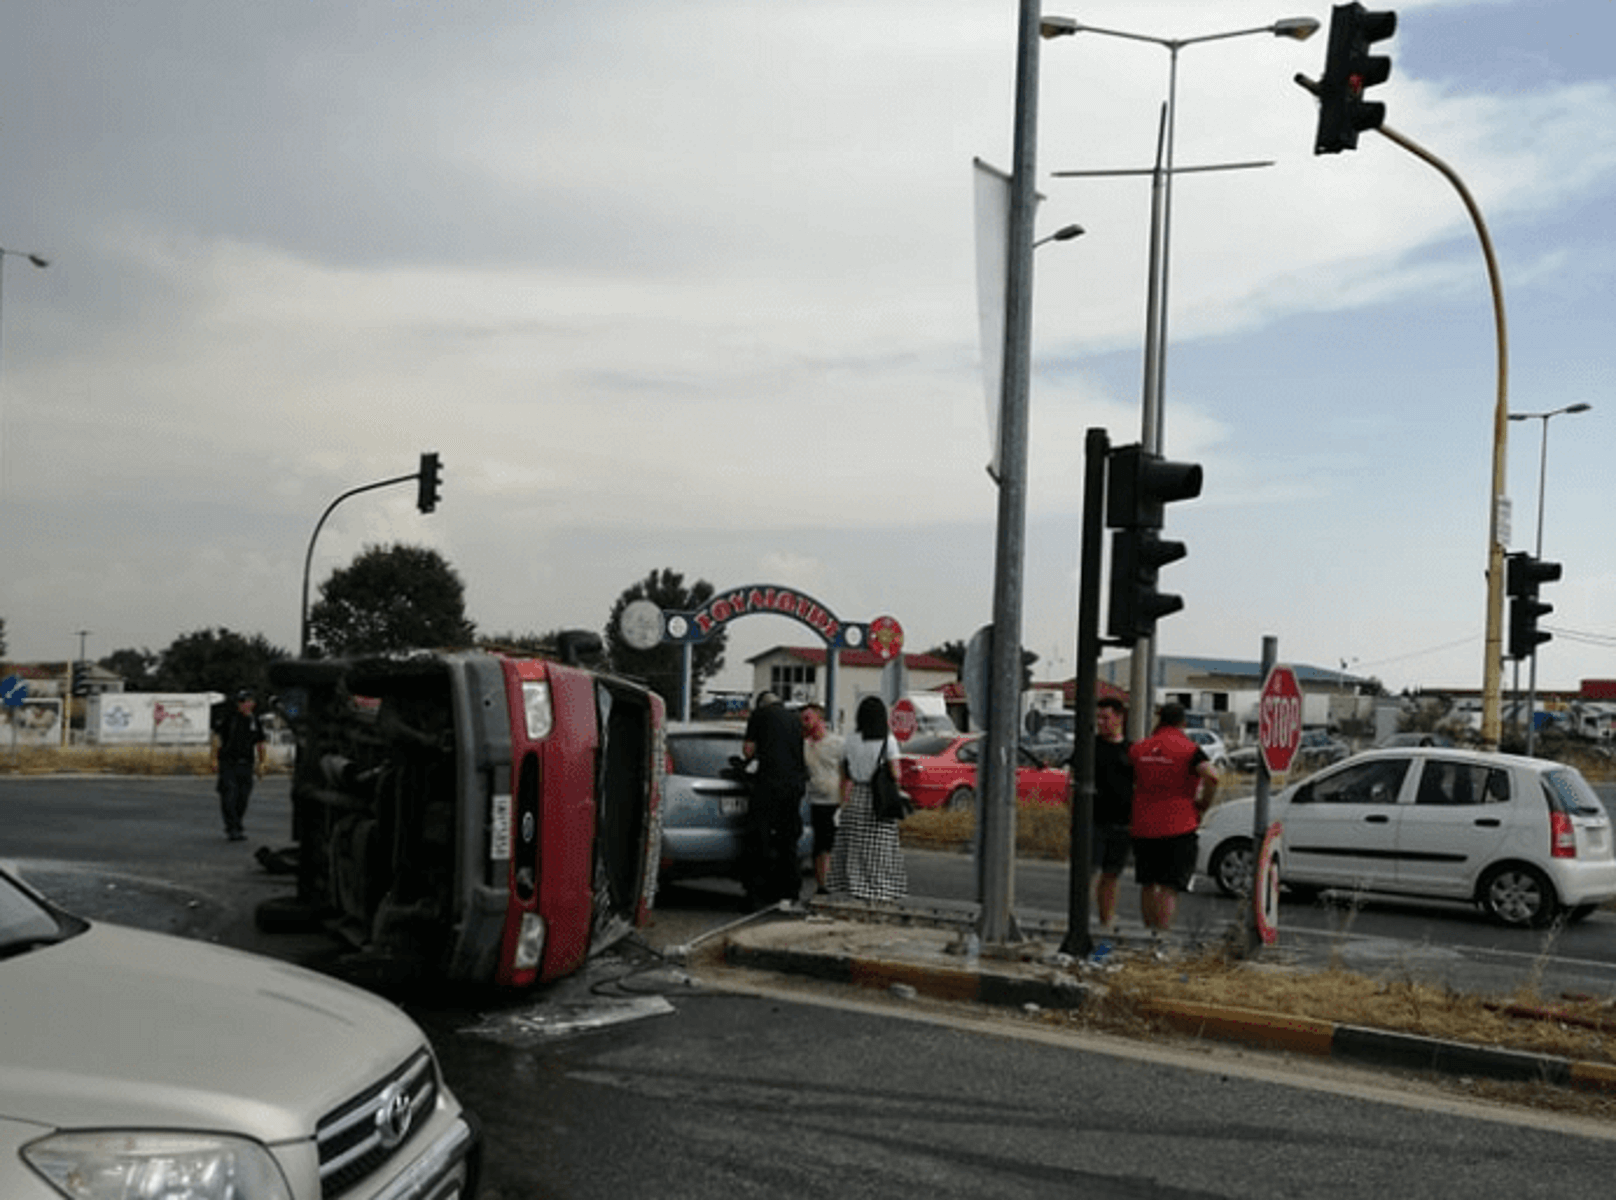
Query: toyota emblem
x=393 y=1116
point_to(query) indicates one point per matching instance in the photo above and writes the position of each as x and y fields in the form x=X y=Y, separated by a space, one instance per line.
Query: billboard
x=149 y=718
x=32 y=723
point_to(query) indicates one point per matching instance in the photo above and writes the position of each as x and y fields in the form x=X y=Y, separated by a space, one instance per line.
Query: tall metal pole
x=1142 y=658
x=1542 y=480
x=1002 y=744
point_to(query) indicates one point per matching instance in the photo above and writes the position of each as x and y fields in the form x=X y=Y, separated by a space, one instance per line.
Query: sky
x=693 y=286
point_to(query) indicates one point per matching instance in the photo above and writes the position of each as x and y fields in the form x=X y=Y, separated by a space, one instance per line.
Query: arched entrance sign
x=882 y=636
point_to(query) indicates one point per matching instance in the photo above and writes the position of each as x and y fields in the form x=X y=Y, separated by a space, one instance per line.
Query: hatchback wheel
x=1518 y=895
x=961 y=799
x=1232 y=866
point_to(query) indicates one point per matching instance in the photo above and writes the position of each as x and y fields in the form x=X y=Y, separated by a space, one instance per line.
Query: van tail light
x=1562 y=836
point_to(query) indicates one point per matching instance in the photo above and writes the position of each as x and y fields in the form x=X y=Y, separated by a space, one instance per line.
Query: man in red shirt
x=1173 y=784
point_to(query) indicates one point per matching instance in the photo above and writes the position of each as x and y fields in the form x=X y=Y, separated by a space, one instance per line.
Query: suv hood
x=122 y=1028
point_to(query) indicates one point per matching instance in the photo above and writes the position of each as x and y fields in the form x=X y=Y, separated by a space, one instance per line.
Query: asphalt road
x=628 y=1080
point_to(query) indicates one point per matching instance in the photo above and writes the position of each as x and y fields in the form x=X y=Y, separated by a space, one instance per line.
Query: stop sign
x=905 y=720
x=1279 y=720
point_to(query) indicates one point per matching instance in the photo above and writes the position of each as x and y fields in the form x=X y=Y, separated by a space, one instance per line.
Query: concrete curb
x=1379 y=1047
x=1267 y=1030
x=938 y=983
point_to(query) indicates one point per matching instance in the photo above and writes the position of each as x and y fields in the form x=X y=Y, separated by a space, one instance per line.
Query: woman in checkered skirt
x=867 y=860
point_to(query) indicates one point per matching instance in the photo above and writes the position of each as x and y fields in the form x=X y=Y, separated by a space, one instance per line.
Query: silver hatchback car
x=704 y=800
x=1527 y=840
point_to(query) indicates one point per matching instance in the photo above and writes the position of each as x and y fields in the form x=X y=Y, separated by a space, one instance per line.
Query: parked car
x=137 y=1064
x=1395 y=740
x=1245 y=759
x=1217 y=752
x=940 y=772
x=1318 y=749
x=1526 y=839
x=704 y=799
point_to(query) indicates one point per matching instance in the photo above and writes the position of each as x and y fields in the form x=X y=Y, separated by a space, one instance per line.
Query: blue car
x=704 y=799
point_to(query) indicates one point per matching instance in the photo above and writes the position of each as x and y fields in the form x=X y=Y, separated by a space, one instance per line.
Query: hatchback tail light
x=1562 y=836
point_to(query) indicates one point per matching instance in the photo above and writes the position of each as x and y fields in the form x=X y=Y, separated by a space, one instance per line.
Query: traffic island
x=1328 y=1013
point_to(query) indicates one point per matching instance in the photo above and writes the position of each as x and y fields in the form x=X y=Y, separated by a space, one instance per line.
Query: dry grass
x=1042 y=830
x=1580 y=1029
x=106 y=760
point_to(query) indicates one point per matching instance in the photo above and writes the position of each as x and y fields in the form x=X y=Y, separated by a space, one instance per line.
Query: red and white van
x=471 y=815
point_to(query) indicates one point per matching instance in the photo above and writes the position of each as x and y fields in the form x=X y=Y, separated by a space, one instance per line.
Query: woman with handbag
x=867 y=861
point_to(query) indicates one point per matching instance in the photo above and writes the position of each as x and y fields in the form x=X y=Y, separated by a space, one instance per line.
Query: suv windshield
x=24 y=922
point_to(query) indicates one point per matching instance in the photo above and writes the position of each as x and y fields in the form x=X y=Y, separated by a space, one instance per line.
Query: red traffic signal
x=1349 y=69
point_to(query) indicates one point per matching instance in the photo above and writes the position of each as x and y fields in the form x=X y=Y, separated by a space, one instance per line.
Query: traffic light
x=1139 y=486
x=81 y=678
x=427 y=483
x=1525 y=573
x=1349 y=68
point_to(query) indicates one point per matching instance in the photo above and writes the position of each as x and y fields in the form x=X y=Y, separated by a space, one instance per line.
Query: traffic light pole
x=308 y=557
x=1078 y=943
x=1493 y=664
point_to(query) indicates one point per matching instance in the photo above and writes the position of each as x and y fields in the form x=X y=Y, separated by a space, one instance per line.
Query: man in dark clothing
x=239 y=743
x=1113 y=808
x=774 y=814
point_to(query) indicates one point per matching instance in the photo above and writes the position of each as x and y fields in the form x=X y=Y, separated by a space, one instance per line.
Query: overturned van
x=469 y=815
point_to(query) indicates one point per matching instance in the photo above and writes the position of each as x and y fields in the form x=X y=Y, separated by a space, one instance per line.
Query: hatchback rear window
x=1568 y=792
x=703 y=757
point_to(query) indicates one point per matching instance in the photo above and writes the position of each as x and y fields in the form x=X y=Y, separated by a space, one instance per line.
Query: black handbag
x=887 y=800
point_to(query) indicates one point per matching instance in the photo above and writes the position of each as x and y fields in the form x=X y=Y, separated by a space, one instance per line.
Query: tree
x=214 y=660
x=391 y=598
x=137 y=668
x=660 y=667
x=954 y=652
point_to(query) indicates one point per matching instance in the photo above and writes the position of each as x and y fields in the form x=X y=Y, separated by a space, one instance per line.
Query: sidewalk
x=927 y=950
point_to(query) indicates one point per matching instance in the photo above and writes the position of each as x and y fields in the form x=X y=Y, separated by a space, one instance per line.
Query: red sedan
x=940 y=772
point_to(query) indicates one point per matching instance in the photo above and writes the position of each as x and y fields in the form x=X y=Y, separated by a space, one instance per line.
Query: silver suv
x=135 y=1064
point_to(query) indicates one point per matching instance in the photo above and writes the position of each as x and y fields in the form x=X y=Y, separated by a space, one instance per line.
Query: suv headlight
x=118 y=1165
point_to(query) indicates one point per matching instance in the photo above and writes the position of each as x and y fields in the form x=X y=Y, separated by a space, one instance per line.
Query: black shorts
x=1165 y=862
x=1111 y=847
x=824 y=818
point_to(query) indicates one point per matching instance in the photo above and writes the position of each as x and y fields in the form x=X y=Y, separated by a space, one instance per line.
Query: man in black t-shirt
x=1113 y=808
x=774 y=812
x=238 y=756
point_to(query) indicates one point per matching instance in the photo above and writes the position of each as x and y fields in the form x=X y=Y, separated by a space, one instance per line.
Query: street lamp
x=1064 y=234
x=1542 y=475
x=40 y=263
x=1141 y=681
